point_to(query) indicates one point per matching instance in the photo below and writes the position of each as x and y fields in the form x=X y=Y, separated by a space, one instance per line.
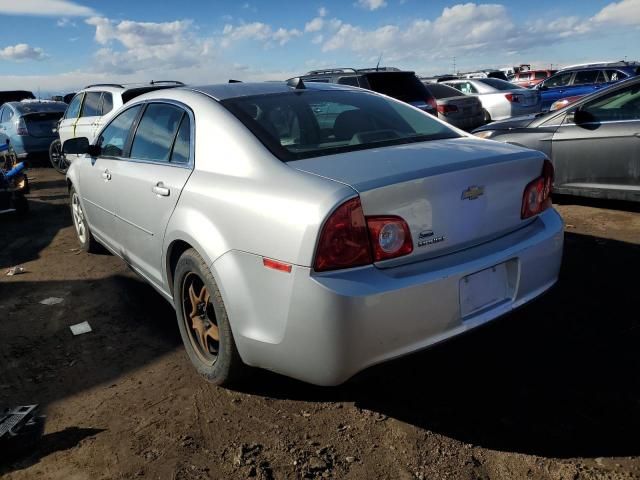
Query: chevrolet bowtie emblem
x=472 y=192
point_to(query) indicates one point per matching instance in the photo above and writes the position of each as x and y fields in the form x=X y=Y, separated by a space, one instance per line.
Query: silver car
x=500 y=99
x=314 y=230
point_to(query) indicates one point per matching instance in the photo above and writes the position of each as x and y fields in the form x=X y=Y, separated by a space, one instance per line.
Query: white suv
x=92 y=106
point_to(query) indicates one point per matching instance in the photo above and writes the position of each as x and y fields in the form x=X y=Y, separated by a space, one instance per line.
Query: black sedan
x=594 y=144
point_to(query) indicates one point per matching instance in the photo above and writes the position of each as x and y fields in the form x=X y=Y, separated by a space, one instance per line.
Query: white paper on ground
x=80 y=328
x=51 y=301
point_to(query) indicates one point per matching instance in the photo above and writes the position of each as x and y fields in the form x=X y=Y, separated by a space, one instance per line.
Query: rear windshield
x=439 y=90
x=37 y=107
x=497 y=83
x=404 y=86
x=312 y=123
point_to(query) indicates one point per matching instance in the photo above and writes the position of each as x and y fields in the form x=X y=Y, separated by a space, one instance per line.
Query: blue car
x=583 y=80
x=30 y=125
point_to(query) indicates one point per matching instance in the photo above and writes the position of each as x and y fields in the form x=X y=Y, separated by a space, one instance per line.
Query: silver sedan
x=500 y=99
x=313 y=230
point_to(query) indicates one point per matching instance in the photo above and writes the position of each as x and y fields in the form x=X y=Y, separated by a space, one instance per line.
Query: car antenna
x=296 y=83
x=231 y=80
x=378 y=64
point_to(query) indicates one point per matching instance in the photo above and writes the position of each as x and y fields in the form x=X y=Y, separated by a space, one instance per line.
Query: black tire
x=487 y=116
x=21 y=204
x=86 y=240
x=220 y=363
x=57 y=158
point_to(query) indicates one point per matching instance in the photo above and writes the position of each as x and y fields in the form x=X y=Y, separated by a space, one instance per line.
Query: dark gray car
x=594 y=144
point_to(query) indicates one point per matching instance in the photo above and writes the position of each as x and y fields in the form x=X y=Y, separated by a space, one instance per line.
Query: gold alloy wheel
x=200 y=318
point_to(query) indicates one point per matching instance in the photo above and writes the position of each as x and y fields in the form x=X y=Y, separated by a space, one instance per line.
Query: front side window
x=156 y=132
x=621 y=105
x=560 y=80
x=74 y=107
x=113 y=139
x=296 y=125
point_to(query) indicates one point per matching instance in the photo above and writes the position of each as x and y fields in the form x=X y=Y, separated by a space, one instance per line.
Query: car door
x=105 y=107
x=151 y=179
x=586 y=82
x=554 y=88
x=89 y=115
x=100 y=186
x=603 y=150
x=66 y=130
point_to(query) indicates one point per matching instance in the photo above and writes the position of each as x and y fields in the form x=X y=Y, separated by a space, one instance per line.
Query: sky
x=58 y=46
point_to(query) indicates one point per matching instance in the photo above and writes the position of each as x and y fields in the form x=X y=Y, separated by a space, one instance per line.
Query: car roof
x=121 y=87
x=225 y=91
x=25 y=106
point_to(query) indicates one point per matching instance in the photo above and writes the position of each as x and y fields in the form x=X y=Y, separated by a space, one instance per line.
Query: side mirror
x=80 y=146
x=578 y=117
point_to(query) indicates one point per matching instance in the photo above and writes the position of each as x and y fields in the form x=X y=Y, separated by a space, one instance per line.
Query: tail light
x=21 y=127
x=348 y=239
x=432 y=101
x=512 y=97
x=447 y=109
x=537 y=194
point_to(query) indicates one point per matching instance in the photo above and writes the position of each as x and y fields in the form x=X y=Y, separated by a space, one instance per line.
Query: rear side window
x=615 y=75
x=540 y=75
x=113 y=139
x=498 y=84
x=107 y=103
x=401 y=85
x=353 y=81
x=74 y=107
x=182 y=145
x=91 y=105
x=587 y=77
x=439 y=90
x=465 y=87
x=156 y=132
x=7 y=113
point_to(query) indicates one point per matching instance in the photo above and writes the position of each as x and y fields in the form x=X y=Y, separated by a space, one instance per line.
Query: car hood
x=509 y=124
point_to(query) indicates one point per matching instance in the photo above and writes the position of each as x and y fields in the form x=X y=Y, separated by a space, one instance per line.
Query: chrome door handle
x=106 y=175
x=160 y=189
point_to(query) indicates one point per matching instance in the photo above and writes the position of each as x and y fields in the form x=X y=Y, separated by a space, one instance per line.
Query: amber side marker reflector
x=283 y=267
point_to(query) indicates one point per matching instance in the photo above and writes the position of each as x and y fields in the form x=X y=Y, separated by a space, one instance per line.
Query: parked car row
x=367 y=203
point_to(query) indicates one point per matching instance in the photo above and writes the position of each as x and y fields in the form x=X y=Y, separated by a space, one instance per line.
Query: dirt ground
x=549 y=392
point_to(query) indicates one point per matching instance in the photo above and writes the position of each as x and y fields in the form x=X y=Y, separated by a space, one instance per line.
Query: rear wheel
x=87 y=242
x=57 y=157
x=487 y=116
x=203 y=321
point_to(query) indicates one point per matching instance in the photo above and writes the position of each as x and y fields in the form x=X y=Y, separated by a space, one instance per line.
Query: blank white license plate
x=483 y=289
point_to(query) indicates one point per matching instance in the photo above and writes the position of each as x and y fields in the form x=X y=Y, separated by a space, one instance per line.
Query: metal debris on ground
x=20 y=428
x=15 y=271
x=51 y=301
x=80 y=328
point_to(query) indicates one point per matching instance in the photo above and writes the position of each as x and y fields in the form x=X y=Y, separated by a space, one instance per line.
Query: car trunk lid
x=452 y=193
x=460 y=107
x=41 y=124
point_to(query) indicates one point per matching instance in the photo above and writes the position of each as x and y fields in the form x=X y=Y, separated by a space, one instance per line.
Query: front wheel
x=203 y=321
x=57 y=158
x=487 y=116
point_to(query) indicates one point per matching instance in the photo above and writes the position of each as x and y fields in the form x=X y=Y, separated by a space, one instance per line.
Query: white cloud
x=22 y=51
x=322 y=12
x=626 y=12
x=139 y=46
x=317 y=40
x=57 y=8
x=314 y=25
x=372 y=4
x=257 y=31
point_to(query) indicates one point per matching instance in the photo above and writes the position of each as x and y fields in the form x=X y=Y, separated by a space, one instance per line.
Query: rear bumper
x=25 y=145
x=465 y=123
x=324 y=328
